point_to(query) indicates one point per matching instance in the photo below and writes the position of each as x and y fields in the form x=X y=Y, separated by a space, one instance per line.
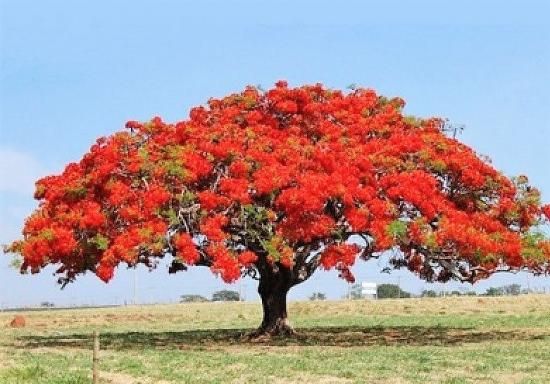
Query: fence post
x=95 y=359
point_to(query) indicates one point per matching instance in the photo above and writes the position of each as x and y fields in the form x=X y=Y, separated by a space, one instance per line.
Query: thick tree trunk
x=275 y=320
x=273 y=289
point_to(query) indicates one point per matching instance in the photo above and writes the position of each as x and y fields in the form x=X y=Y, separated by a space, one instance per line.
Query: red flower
x=133 y=125
x=224 y=263
x=186 y=249
x=341 y=255
x=287 y=106
x=105 y=272
x=247 y=258
x=346 y=274
x=213 y=227
x=236 y=190
x=118 y=192
x=92 y=217
x=358 y=219
x=196 y=166
x=210 y=201
x=239 y=169
x=155 y=197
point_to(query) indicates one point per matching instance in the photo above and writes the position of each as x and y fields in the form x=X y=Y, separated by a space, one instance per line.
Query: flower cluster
x=342 y=255
x=224 y=263
x=186 y=249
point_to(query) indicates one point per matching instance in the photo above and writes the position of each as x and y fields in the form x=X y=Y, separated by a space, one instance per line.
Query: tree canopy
x=226 y=295
x=391 y=291
x=286 y=180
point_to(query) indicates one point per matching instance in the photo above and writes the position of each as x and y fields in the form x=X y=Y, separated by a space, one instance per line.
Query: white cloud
x=18 y=171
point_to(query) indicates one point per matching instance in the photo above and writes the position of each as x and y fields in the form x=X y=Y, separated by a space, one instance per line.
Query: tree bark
x=273 y=289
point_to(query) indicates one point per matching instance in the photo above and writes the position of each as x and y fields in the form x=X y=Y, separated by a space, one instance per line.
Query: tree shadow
x=320 y=336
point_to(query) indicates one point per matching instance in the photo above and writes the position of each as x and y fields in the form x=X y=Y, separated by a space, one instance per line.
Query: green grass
x=447 y=340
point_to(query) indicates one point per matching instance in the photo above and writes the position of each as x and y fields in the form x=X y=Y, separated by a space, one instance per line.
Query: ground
x=442 y=340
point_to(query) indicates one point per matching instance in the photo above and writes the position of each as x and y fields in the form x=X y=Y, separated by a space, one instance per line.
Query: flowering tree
x=277 y=184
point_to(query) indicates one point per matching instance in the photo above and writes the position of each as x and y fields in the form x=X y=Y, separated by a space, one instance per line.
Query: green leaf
x=143 y=153
x=100 y=241
x=439 y=165
x=47 y=234
x=530 y=246
x=16 y=262
x=76 y=193
x=187 y=197
x=171 y=215
x=174 y=168
x=397 y=229
x=271 y=249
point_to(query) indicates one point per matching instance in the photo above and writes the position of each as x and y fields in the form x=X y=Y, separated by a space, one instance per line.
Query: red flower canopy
x=286 y=178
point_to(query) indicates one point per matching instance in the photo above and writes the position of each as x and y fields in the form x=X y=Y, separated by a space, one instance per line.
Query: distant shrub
x=391 y=291
x=226 y=295
x=318 y=296
x=429 y=293
x=192 y=299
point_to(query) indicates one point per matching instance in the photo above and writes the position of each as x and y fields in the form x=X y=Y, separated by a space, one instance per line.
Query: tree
x=429 y=293
x=391 y=291
x=277 y=184
x=318 y=296
x=356 y=292
x=512 y=289
x=192 y=299
x=492 y=291
x=505 y=290
x=226 y=295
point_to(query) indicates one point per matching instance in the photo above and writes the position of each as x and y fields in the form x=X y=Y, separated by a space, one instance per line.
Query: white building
x=368 y=290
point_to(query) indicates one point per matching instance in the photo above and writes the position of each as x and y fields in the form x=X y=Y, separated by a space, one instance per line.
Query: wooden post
x=95 y=359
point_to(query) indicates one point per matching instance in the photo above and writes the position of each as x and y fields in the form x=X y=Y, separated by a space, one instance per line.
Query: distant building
x=368 y=290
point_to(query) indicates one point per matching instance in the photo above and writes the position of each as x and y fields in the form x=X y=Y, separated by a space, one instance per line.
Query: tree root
x=279 y=328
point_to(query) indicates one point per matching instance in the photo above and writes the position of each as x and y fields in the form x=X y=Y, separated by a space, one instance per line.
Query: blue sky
x=73 y=71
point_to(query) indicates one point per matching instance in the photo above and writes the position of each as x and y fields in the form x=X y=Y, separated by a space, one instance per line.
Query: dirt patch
x=5 y=361
x=501 y=378
x=123 y=378
x=301 y=379
x=18 y=321
x=509 y=378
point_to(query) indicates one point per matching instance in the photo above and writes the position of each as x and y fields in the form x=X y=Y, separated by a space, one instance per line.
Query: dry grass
x=203 y=315
x=453 y=339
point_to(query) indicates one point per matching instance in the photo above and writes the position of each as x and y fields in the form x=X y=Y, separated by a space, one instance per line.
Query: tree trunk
x=273 y=289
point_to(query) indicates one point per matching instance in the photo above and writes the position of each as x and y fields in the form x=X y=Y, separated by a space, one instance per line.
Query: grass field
x=444 y=340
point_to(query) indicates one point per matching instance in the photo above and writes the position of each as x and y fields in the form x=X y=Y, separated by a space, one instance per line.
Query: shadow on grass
x=322 y=336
